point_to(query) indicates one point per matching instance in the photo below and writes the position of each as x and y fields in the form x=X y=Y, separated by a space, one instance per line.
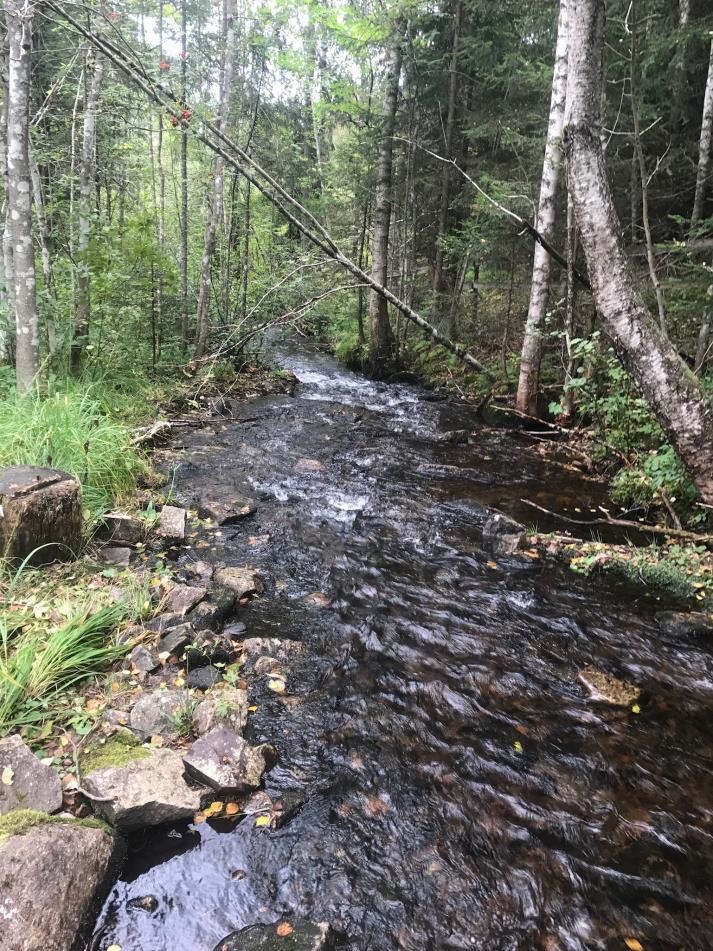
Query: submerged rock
x=159 y=712
x=24 y=782
x=292 y=935
x=224 y=511
x=212 y=611
x=145 y=792
x=503 y=535
x=49 y=878
x=607 y=689
x=685 y=623
x=223 y=760
x=241 y=581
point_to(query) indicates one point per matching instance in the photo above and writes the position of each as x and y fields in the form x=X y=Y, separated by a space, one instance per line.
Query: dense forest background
x=409 y=130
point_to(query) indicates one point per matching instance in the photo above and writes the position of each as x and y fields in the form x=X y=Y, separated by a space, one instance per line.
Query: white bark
x=215 y=212
x=704 y=148
x=539 y=295
x=18 y=14
x=665 y=382
x=5 y=248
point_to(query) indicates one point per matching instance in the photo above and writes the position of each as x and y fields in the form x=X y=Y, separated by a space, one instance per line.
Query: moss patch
x=22 y=821
x=120 y=749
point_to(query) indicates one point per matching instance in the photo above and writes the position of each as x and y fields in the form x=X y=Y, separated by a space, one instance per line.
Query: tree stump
x=40 y=515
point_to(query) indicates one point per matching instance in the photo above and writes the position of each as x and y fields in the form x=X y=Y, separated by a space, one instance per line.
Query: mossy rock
x=22 y=821
x=119 y=750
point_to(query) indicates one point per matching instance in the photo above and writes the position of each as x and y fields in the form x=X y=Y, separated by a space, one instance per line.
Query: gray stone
x=49 y=880
x=225 y=511
x=208 y=647
x=223 y=760
x=158 y=712
x=235 y=631
x=120 y=529
x=685 y=623
x=214 y=609
x=142 y=659
x=241 y=581
x=227 y=708
x=118 y=557
x=176 y=641
x=144 y=792
x=202 y=571
x=203 y=678
x=164 y=622
x=40 y=515
x=172 y=523
x=503 y=535
x=24 y=782
x=303 y=936
x=184 y=597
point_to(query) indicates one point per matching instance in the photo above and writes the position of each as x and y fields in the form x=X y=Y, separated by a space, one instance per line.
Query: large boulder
x=223 y=760
x=288 y=935
x=143 y=792
x=503 y=535
x=24 y=782
x=50 y=877
x=40 y=514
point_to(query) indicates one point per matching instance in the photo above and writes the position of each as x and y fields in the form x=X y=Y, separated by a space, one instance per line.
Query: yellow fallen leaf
x=8 y=775
x=636 y=708
x=492 y=564
x=214 y=808
x=277 y=686
x=633 y=945
x=285 y=929
x=262 y=821
x=252 y=709
x=232 y=809
x=517 y=745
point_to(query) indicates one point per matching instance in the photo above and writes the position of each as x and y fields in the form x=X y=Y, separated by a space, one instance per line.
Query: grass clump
x=119 y=749
x=70 y=430
x=22 y=821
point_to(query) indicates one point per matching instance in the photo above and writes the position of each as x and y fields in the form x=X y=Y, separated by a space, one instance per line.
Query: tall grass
x=69 y=430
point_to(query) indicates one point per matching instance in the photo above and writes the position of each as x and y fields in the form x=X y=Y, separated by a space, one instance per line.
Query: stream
x=459 y=788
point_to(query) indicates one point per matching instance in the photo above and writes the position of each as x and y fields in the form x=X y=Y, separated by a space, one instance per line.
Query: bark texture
x=94 y=77
x=529 y=381
x=670 y=389
x=41 y=513
x=704 y=148
x=216 y=206
x=18 y=17
x=381 y=338
x=184 y=180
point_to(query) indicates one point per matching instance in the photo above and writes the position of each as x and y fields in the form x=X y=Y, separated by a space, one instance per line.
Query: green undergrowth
x=22 y=821
x=684 y=571
x=119 y=749
x=71 y=430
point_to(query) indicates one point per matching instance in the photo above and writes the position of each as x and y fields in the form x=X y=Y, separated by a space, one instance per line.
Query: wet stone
x=147 y=903
x=226 y=762
x=226 y=511
x=25 y=783
x=214 y=609
x=184 y=597
x=208 y=647
x=685 y=624
x=287 y=935
x=607 y=689
x=158 y=712
x=203 y=678
x=503 y=535
x=241 y=581
x=236 y=631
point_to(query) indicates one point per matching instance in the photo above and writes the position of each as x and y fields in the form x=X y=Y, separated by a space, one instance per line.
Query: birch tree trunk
x=668 y=386
x=19 y=15
x=439 y=304
x=679 y=64
x=529 y=382
x=381 y=337
x=215 y=213
x=704 y=148
x=184 y=180
x=93 y=77
x=5 y=248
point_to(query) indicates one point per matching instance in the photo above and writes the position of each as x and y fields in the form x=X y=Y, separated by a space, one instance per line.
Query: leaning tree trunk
x=529 y=382
x=704 y=148
x=215 y=213
x=439 y=304
x=668 y=386
x=94 y=77
x=381 y=338
x=19 y=194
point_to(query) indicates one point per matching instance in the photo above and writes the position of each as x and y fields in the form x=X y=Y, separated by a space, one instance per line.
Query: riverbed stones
x=40 y=514
x=503 y=535
x=143 y=660
x=172 y=523
x=227 y=708
x=159 y=712
x=241 y=581
x=49 y=879
x=226 y=510
x=604 y=688
x=226 y=762
x=121 y=530
x=144 y=792
x=208 y=647
x=214 y=609
x=203 y=678
x=116 y=556
x=685 y=623
x=25 y=783
x=288 y=935
x=183 y=598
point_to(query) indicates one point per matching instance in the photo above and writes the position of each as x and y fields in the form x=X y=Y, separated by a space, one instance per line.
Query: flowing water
x=460 y=790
